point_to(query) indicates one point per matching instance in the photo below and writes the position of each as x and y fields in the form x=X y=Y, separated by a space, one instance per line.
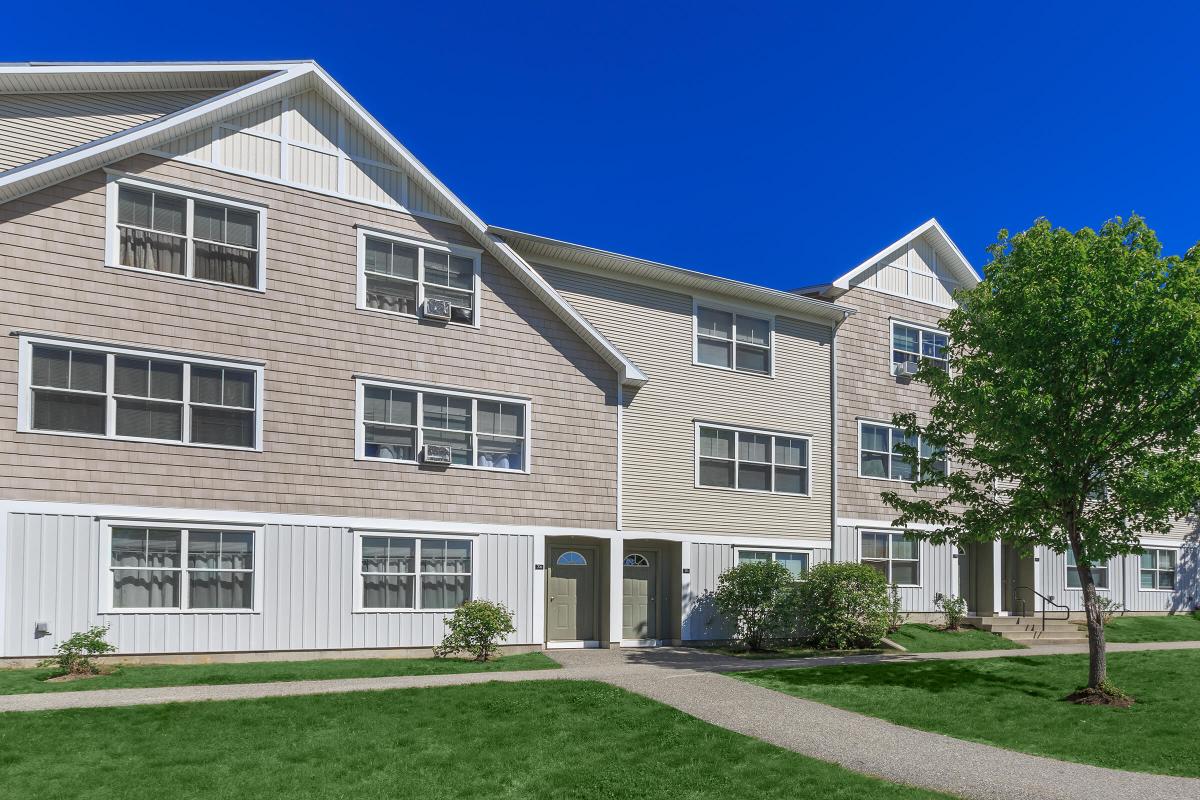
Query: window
x=396 y=422
x=796 y=562
x=731 y=458
x=636 y=560
x=397 y=276
x=571 y=558
x=1157 y=569
x=877 y=456
x=911 y=344
x=1099 y=573
x=895 y=555
x=83 y=389
x=157 y=568
x=185 y=234
x=415 y=574
x=733 y=341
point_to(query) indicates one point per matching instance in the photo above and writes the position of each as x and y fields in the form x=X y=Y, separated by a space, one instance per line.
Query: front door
x=571 y=594
x=639 y=611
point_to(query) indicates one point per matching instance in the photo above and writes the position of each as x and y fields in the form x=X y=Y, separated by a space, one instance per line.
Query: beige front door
x=639 y=611
x=571 y=595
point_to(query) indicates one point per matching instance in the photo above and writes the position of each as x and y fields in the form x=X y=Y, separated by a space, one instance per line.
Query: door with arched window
x=571 y=595
x=639 y=589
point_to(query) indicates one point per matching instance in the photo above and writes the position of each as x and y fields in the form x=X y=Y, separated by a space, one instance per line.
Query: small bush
x=844 y=606
x=1109 y=608
x=75 y=654
x=476 y=627
x=895 y=609
x=759 y=599
x=955 y=609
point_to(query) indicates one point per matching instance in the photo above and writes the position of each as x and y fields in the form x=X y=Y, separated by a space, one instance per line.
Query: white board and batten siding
x=917 y=271
x=307 y=572
x=708 y=561
x=937 y=566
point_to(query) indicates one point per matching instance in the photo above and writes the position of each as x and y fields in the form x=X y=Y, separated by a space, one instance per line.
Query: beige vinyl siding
x=654 y=327
x=33 y=126
x=868 y=391
x=313 y=340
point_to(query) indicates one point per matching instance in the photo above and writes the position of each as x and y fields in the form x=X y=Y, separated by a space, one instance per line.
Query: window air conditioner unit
x=437 y=308
x=436 y=454
x=911 y=367
x=898 y=367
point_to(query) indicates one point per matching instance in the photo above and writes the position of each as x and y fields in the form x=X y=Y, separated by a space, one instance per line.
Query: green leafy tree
x=759 y=599
x=1071 y=409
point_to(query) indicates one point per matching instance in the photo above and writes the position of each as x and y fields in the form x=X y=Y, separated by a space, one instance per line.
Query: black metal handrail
x=1047 y=599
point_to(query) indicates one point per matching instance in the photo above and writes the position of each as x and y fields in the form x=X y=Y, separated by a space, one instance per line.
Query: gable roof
x=263 y=82
x=947 y=252
x=688 y=280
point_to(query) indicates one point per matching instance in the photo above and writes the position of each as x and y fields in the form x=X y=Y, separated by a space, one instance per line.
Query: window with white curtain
x=395 y=422
x=163 y=568
x=736 y=458
x=185 y=234
x=397 y=275
x=84 y=389
x=896 y=556
x=414 y=573
x=734 y=341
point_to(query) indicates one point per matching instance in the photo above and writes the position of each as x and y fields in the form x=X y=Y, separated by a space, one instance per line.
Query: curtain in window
x=145 y=568
x=154 y=251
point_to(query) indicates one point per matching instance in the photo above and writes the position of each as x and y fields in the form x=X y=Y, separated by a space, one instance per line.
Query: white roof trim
x=688 y=280
x=962 y=268
x=76 y=161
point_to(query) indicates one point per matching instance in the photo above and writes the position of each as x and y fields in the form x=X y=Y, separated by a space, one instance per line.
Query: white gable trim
x=963 y=272
x=76 y=161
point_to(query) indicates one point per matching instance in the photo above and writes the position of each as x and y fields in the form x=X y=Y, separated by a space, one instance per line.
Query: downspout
x=833 y=438
x=620 y=448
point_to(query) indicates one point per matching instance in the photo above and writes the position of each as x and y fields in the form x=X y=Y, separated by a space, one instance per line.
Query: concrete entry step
x=1030 y=631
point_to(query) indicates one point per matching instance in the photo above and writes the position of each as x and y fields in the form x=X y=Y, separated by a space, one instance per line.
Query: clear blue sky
x=779 y=144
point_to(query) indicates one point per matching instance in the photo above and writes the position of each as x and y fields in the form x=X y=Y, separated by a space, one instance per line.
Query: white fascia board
x=967 y=274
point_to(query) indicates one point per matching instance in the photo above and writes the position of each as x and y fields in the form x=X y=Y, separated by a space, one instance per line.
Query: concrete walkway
x=690 y=681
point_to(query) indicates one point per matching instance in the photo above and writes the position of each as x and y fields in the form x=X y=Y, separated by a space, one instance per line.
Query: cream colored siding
x=313 y=341
x=33 y=126
x=654 y=327
x=307 y=571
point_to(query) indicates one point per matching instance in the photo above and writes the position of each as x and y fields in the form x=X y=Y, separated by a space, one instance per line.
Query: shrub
x=844 y=606
x=75 y=654
x=476 y=627
x=955 y=609
x=759 y=599
x=1109 y=608
x=895 y=609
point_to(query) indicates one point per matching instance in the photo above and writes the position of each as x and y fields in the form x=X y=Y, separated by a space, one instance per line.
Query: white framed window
x=732 y=339
x=82 y=389
x=1156 y=569
x=1099 y=573
x=395 y=422
x=912 y=344
x=396 y=275
x=877 y=456
x=171 y=567
x=185 y=234
x=398 y=572
x=751 y=460
x=894 y=554
x=796 y=561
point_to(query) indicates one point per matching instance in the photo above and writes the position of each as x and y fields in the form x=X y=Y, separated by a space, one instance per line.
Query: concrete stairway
x=1028 y=630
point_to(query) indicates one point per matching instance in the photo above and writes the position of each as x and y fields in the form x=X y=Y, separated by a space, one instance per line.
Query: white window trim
x=360 y=451
x=472 y=253
x=105 y=568
x=736 y=310
x=698 y=424
x=923 y=329
x=112 y=237
x=859 y=452
x=1156 y=570
x=919 y=560
x=358 y=573
x=25 y=392
x=737 y=553
x=1106 y=566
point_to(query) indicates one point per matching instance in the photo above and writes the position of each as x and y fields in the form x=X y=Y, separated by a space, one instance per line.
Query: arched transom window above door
x=636 y=560
x=571 y=558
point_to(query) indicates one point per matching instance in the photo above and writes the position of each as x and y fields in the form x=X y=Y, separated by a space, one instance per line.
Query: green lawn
x=24 y=681
x=1015 y=702
x=1177 y=628
x=917 y=637
x=543 y=739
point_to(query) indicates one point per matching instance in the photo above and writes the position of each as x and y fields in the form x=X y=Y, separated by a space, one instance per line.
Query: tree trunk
x=1097 y=650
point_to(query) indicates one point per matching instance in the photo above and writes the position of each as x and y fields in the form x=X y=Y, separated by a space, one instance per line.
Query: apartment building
x=269 y=385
